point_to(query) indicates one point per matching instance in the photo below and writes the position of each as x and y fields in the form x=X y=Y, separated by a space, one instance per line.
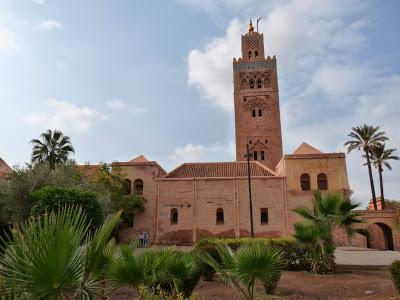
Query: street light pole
x=249 y=181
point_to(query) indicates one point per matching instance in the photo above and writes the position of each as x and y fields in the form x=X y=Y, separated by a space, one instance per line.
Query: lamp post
x=249 y=181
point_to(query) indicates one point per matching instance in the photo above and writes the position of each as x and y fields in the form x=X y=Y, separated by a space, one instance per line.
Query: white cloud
x=198 y=153
x=301 y=33
x=8 y=40
x=210 y=69
x=325 y=88
x=48 y=25
x=66 y=116
x=375 y=103
x=121 y=105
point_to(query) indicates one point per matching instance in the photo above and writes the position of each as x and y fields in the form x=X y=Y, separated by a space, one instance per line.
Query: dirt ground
x=300 y=285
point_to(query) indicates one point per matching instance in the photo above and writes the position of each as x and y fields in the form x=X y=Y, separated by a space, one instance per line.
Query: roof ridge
x=265 y=167
x=218 y=169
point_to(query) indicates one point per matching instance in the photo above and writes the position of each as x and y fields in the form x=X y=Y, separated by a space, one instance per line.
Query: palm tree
x=380 y=157
x=172 y=271
x=53 y=148
x=252 y=262
x=56 y=257
x=329 y=211
x=364 y=138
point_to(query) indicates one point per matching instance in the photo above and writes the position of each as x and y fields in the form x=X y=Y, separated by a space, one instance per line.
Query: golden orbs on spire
x=251 y=28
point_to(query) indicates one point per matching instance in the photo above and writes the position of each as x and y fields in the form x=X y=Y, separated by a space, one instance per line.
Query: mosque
x=198 y=200
x=211 y=199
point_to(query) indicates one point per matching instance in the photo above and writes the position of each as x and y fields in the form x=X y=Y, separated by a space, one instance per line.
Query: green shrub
x=49 y=199
x=395 y=271
x=146 y=293
x=295 y=256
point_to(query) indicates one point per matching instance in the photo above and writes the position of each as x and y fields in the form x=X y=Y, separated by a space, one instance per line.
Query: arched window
x=259 y=83
x=305 y=182
x=256 y=53
x=266 y=82
x=249 y=54
x=220 y=216
x=250 y=142
x=127 y=186
x=174 y=216
x=253 y=113
x=251 y=83
x=322 y=181
x=138 y=187
x=264 y=216
x=262 y=155
x=255 y=155
x=259 y=112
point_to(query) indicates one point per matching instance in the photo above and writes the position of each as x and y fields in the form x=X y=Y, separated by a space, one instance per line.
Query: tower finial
x=251 y=28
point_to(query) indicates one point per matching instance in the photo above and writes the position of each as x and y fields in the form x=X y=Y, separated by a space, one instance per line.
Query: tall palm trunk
x=380 y=170
x=371 y=179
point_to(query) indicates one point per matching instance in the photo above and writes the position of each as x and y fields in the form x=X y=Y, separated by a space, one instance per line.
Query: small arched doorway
x=381 y=237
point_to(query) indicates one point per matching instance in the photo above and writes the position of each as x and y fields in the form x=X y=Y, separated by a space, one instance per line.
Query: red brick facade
x=199 y=200
x=256 y=100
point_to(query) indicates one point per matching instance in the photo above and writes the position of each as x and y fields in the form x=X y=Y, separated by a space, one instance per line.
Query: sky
x=124 y=78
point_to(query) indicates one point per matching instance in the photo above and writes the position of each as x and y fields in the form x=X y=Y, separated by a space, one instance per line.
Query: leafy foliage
x=172 y=271
x=16 y=188
x=56 y=257
x=146 y=293
x=395 y=272
x=53 y=148
x=293 y=254
x=364 y=138
x=329 y=211
x=252 y=262
x=49 y=199
x=110 y=178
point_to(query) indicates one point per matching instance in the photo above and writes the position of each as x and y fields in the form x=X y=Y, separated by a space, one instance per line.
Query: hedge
x=52 y=198
x=395 y=271
x=294 y=255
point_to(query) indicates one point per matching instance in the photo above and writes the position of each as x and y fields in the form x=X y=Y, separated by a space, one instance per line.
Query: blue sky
x=124 y=78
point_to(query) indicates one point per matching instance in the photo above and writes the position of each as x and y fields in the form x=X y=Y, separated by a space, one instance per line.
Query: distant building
x=4 y=168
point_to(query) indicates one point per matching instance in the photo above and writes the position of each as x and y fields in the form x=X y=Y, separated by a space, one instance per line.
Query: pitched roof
x=140 y=158
x=89 y=170
x=4 y=168
x=305 y=148
x=219 y=169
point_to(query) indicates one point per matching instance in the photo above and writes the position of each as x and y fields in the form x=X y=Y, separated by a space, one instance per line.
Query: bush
x=146 y=293
x=49 y=199
x=295 y=256
x=395 y=271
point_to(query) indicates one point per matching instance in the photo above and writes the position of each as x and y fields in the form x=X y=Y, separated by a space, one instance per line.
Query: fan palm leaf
x=46 y=257
x=329 y=211
x=252 y=262
x=52 y=147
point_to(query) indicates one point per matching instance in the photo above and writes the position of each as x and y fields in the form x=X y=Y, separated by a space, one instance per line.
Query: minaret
x=256 y=98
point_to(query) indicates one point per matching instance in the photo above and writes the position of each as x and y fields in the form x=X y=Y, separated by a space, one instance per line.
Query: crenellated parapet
x=241 y=66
